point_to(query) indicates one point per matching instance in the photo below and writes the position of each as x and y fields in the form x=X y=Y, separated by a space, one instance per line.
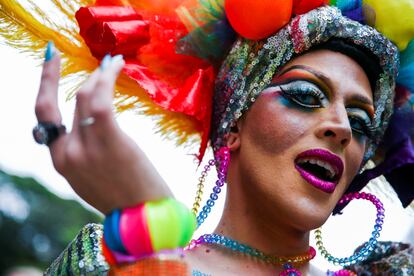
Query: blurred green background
x=27 y=236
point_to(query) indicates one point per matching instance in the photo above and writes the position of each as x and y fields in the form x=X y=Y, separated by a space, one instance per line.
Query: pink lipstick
x=320 y=168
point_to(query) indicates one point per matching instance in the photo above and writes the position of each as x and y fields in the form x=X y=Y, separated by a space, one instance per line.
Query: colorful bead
x=290 y=272
x=368 y=248
x=223 y=158
x=200 y=186
x=250 y=251
x=342 y=272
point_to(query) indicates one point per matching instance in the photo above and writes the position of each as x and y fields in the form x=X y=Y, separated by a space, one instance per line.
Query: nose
x=335 y=127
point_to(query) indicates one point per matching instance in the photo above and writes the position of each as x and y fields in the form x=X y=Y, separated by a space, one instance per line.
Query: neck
x=253 y=221
x=245 y=225
x=241 y=225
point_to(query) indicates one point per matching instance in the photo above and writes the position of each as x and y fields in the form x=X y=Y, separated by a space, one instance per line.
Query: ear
x=233 y=138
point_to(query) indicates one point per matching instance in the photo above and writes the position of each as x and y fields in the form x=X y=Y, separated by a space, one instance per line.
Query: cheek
x=273 y=126
x=354 y=156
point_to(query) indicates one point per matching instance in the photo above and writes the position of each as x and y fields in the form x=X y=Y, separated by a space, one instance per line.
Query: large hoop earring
x=369 y=246
x=221 y=159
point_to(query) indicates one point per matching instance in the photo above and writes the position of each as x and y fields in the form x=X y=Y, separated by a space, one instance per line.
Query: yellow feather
x=29 y=27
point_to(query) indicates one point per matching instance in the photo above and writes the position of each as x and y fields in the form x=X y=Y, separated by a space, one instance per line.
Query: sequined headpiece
x=251 y=65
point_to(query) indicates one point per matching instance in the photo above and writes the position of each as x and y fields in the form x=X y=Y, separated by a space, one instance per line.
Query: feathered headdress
x=173 y=50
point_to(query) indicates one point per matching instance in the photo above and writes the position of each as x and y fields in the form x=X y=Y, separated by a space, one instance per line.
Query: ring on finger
x=87 y=121
x=45 y=133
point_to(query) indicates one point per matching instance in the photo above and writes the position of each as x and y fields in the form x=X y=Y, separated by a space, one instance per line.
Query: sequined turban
x=251 y=65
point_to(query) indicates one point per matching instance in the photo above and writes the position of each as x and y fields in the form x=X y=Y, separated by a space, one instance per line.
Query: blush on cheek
x=274 y=127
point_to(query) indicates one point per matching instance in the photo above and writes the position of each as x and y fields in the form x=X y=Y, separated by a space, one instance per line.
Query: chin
x=279 y=192
x=308 y=213
x=307 y=207
x=308 y=221
x=301 y=210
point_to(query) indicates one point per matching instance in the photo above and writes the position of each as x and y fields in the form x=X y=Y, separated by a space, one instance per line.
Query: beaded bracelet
x=145 y=229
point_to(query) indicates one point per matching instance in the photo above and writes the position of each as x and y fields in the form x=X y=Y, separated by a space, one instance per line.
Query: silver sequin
x=251 y=65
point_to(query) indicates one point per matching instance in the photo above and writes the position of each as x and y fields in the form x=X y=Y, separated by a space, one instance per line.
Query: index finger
x=46 y=107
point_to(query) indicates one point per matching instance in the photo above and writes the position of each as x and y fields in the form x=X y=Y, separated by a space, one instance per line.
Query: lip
x=323 y=155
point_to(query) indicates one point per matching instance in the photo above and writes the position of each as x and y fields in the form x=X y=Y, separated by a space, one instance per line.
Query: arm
x=101 y=163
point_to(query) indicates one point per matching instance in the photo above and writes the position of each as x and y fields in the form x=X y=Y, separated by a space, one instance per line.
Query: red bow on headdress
x=176 y=82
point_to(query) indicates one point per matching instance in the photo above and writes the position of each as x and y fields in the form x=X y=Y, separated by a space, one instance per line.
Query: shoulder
x=389 y=258
x=83 y=255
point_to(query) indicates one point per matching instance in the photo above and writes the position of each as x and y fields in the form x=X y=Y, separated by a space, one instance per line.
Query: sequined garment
x=83 y=257
x=251 y=65
x=388 y=258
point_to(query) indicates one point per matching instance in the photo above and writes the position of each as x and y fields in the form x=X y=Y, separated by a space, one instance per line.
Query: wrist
x=136 y=232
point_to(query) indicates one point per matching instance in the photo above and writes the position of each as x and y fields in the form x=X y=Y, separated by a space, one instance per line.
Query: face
x=302 y=142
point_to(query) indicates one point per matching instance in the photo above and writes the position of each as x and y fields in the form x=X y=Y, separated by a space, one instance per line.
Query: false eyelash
x=370 y=130
x=301 y=92
x=291 y=96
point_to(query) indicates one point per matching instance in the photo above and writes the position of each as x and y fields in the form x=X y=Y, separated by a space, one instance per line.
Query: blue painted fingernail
x=105 y=62
x=117 y=58
x=49 y=51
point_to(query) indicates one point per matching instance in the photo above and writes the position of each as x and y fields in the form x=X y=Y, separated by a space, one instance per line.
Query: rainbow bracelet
x=135 y=232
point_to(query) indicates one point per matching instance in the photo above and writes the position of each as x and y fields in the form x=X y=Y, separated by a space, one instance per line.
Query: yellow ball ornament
x=395 y=19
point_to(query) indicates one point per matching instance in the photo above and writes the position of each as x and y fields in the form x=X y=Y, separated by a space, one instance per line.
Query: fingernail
x=117 y=58
x=105 y=62
x=49 y=51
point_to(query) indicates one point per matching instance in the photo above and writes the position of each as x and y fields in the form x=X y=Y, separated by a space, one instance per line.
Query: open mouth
x=320 y=168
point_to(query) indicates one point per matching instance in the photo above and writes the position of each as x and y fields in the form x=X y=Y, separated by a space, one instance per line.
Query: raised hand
x=102 y=164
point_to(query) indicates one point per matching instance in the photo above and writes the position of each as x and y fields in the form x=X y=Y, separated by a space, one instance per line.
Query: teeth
x=328 y=167
x=320 y=163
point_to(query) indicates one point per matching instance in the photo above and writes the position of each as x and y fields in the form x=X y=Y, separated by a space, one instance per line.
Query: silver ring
x=87 y=121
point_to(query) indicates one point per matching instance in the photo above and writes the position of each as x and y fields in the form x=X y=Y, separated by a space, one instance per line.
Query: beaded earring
x=369 y=246
x=222 y=158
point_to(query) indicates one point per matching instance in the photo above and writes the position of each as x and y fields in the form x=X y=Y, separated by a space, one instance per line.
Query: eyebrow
x=326 y=80
x=362 y=99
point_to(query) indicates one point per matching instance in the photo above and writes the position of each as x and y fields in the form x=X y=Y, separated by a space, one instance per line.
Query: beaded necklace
x=286 y=262
x=235 y=246
x=222 y=158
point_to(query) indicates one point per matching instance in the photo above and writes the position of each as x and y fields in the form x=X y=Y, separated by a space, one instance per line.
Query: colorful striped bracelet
x=136 y=232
